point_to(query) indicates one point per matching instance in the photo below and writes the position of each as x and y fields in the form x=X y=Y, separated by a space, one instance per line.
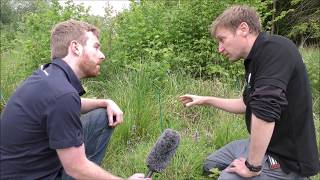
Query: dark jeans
x=97 y=134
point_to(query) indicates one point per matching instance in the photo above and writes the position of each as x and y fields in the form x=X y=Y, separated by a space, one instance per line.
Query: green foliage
x=153 y=49
x=308 y=29
x=202 y=129
x=7 y=37
x=13 y=13
x=174 y=37
x=214 y=173
x=312 y=60
x=6 y=13
x=299 y=21
x=38 y=25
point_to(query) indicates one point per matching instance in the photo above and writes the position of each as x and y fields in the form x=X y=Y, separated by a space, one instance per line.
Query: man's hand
x=115 y=115
x=189 y=100
x=138 y=176
x=238 y=166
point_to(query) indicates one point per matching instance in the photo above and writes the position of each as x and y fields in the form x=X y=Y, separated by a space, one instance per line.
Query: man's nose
x=221 y=48
x=102 y=57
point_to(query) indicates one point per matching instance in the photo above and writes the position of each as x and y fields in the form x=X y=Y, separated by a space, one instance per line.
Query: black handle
x=149 y=174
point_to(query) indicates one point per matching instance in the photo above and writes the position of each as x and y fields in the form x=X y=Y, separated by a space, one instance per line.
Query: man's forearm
x=236 y=106
x=77 y=165
x=261 y=133
x=90 y=104
x=91 y=171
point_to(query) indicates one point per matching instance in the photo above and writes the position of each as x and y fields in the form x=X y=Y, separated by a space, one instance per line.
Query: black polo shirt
x=42 y=115
x=278 y=91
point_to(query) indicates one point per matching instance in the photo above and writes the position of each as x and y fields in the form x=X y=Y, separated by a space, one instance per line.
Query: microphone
x=162 y=151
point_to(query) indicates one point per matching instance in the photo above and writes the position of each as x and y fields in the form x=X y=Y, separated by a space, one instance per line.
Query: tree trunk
x=273 y=16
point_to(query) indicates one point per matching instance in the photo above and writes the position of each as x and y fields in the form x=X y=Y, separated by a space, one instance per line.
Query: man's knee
x=211 y=163
x=206 y=167
x=101 y=113
x=229 y=176
x=101 y=117
x=97 y=119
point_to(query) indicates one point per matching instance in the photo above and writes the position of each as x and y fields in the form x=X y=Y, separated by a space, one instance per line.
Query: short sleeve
x=63 y=122
x=275 y=66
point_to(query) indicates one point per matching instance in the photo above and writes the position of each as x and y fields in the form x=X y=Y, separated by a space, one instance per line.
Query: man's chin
x=232 y=60
x=96 y=74
x=92 y=75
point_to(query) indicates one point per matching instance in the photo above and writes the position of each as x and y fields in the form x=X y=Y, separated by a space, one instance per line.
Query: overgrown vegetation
x=299 y=21
x=171 y=36
x=156 y=51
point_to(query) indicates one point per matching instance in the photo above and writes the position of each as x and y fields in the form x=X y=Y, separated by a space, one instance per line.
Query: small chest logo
x=248 y=81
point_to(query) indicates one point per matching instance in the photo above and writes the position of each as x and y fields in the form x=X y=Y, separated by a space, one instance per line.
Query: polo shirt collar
x=255 y=46
x=72 y=78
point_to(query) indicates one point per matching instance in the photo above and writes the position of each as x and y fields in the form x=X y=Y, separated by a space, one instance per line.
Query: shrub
x=175 y=35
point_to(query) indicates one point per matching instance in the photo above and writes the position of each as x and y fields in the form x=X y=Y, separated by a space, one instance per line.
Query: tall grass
x=202 y=129
x=14 y=69
x=150 y=106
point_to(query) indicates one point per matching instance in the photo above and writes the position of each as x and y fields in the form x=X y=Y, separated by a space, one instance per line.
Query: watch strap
x=253 y=168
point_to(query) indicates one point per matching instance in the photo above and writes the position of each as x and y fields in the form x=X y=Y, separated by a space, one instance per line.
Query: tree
x=6 y=12
x=301 y=21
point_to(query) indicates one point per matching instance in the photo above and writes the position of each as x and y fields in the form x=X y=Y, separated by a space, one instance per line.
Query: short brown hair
x=63 y=33
x=233 y=16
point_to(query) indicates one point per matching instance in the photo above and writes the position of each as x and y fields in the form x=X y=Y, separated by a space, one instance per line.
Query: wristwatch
x=253 y=168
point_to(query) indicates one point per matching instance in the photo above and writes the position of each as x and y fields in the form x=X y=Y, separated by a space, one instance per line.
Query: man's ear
x=75 y=48
x=244 y=29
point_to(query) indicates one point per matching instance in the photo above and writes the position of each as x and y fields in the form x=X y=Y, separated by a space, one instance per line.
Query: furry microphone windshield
x=162 y=151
